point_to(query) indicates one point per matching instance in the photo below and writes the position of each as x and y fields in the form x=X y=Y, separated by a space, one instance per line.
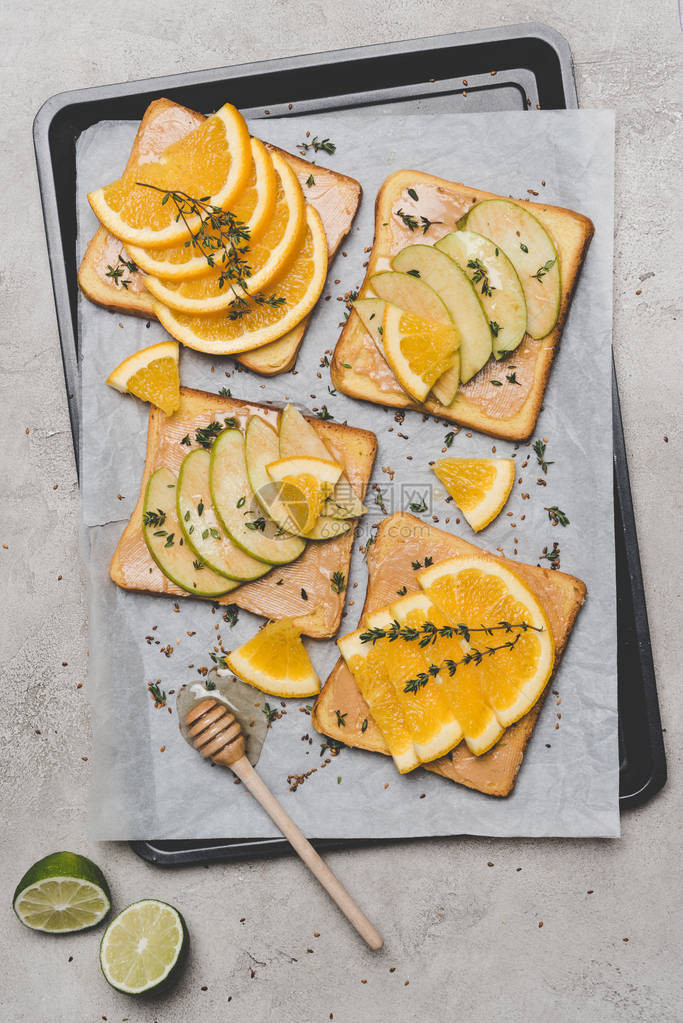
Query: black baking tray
x=522 y=67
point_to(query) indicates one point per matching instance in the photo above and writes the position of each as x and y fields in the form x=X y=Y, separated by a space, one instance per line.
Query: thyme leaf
x=557 y=516
x=317 y=145
x=338 y=582
x=539 y=450
x=154 y=518
x=480 y=276
x=231 y=615
x=117 y=271
x=157 y=694
x=543 y=270
x=206 y=435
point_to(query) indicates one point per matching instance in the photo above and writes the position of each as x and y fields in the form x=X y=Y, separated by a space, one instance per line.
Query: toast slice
x=335 y=197
x=510 y=413
x=401 y=540
x=319 y=613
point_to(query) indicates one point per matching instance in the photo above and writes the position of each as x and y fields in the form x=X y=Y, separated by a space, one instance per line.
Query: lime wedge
x=143 y=947
x=62 y=893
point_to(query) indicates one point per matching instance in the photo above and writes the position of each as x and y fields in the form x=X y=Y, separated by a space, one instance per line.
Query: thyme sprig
x=481 y=276
x=117 y=271
x=157 y=693
x=338 y=582
x=472 y=656
x=539 y=451
x=428 y=633
x=543 y=270
x=412 y=223
x=154 y=518
x=222 y=239
x=552 y=556
x=557 y=516
x=317 y=145
x=272 y=713
x=206 y=435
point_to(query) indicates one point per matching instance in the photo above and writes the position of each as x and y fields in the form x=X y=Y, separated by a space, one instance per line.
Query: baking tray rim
x=520 y=30
x=61 y=100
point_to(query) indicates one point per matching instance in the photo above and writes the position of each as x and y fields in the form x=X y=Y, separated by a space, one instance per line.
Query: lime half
x=143 y=947
x=62 y=893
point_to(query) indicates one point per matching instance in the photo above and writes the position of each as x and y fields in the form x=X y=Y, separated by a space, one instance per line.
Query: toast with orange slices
x=403 y=542
x=308 y=590
x=334 y=196
x=417 y=209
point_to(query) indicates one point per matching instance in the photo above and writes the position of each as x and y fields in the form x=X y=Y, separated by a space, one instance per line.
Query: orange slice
x=306 y=484
x=255 y=207
x=266 y=257
x=478 y=592
x=214 y=160
x=476 y=721
x=430 y=721
x=366 y=664
x=419 y=351
x=275 y=661
x=299 y=286
x=152 y=375
x=479 y=486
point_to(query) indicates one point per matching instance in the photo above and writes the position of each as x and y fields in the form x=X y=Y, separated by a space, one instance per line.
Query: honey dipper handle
x=305 y=850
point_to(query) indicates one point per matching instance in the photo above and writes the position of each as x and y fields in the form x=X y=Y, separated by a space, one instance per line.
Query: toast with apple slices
x=404 y=542
x=335 y=196
x=302 y=590
x=357 y=369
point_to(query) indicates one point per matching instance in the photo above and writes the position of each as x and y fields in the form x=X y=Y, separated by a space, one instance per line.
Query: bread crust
x=319 y=613
x=571 y=233
x=401 y=539
x=335 y=196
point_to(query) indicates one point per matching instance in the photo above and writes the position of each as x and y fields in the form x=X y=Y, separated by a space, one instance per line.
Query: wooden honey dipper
x=217 y=734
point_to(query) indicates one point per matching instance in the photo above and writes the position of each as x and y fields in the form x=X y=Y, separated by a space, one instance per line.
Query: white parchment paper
x=568 y=784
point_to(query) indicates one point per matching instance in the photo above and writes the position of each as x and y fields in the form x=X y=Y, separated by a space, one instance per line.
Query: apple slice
x=441 y=273
x=371 y=313
x=446 y=387
x=238 y=511
x=410 y=291
x=327 y=528
x=496 y=281
x=165 y=542
x=201 y=527
x=531 y=251
x=299 y=437
x=262 y=446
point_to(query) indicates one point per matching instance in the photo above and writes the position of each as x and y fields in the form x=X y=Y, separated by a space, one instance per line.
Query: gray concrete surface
x=462 y=921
